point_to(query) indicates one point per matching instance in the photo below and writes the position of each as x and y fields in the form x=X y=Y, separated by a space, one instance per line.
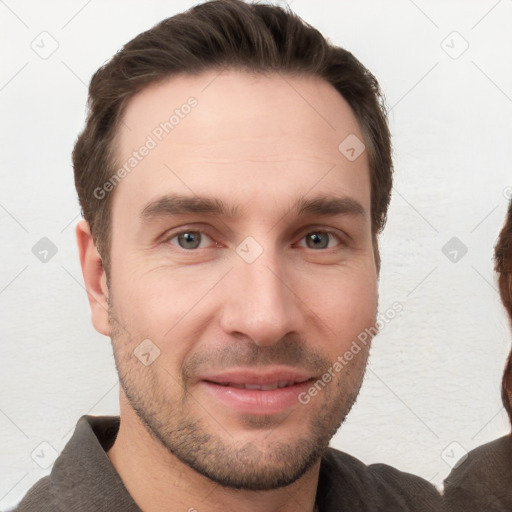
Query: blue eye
x=189 y=239
x=319 y=239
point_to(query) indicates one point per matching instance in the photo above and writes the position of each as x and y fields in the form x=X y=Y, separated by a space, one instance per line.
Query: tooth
x=265 y=387
x=252 y=386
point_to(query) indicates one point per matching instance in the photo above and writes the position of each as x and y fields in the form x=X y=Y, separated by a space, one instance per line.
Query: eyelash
x=172 y=236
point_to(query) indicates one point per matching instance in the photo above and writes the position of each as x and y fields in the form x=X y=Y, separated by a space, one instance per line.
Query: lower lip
x=254 y=401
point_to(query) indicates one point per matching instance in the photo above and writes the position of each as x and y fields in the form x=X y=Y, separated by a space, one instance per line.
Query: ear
x=95 y=278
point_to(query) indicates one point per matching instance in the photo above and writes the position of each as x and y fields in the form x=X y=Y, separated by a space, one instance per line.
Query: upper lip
x=258 y=378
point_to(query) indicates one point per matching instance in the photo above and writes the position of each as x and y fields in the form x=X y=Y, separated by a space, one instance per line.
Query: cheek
x=346 y=302
x=340 y=290
x=164 y=306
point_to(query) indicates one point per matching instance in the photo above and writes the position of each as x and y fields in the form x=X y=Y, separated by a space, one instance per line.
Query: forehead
x=240 y=104
x=224 y=130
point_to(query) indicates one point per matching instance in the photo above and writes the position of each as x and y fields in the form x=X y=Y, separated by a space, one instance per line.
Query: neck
x=158 y=481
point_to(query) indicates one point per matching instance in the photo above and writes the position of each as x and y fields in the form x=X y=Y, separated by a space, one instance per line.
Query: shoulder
x=377 y=487
x=82 y=477
x=481 y=481
x=490 y=458
x=40 y=497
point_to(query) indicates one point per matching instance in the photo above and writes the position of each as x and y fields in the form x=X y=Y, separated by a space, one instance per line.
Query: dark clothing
x=84 y=480
x=483 y=481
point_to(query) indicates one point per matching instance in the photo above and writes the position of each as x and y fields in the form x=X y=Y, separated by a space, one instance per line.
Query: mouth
x=261 y=387
x=249 y=392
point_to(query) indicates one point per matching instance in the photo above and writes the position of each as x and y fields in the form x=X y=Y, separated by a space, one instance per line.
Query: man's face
x=256 y=296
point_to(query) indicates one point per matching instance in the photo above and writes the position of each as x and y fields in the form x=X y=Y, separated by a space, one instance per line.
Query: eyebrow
x=177 y=204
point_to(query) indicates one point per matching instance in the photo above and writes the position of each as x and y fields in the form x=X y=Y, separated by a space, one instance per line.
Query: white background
x=435 y=370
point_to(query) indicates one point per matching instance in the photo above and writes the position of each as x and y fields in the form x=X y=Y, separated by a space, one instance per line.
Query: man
x=482 y=480
x=234 y=174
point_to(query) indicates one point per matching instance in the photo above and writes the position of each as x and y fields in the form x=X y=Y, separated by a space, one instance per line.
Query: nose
x=260 y=302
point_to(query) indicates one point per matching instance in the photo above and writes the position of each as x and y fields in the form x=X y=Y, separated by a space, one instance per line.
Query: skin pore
x=263 y=149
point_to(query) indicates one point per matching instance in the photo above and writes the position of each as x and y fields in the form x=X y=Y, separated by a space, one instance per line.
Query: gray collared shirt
x=84 y=480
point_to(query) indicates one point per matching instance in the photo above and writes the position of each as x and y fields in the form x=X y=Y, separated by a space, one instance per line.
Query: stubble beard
x=202 y=444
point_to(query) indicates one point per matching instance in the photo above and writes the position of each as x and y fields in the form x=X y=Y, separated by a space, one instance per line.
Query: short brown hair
x=223 y=34
x=503 y=265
